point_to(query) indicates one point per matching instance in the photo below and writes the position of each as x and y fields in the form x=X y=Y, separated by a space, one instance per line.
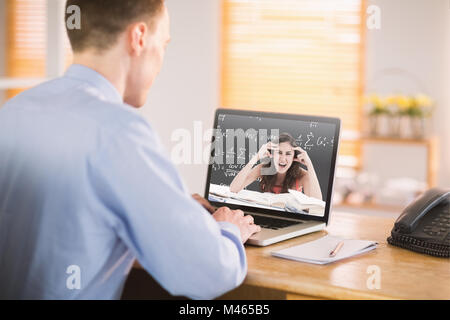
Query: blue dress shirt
x=86 y=187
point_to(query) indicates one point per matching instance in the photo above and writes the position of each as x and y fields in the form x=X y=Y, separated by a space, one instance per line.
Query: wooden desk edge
x=308 y=289
x=315 y=290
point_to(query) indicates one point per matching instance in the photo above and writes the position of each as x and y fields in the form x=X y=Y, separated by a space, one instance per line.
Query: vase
x=404 y=129
x=418 y=127
x=413 y=127
x=380 y=125
x=372 y=124
x=394 y=126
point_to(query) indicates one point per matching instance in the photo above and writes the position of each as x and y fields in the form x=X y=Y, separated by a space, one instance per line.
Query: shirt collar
x=86 y=74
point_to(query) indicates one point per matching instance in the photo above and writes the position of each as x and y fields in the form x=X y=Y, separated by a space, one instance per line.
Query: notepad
x=318 y=251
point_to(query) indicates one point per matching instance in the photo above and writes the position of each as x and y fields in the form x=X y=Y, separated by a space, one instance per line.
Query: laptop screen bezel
x=281 y=116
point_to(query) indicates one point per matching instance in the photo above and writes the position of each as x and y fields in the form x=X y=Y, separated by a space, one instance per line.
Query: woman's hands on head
x=266 y=151
x=302 y=157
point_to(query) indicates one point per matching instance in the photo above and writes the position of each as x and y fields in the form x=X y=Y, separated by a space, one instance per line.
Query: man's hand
x=236 y=217
x=203 y=202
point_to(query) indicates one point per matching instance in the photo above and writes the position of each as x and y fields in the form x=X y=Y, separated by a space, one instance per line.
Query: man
x=86 y=186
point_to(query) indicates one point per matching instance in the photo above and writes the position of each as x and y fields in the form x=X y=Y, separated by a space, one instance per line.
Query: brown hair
x=103 y=20
x=294 y=172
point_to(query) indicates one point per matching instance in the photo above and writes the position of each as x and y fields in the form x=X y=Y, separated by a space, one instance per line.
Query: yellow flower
x=390 y=100
x=404 y=102
x=375 y=100
x=423 y=100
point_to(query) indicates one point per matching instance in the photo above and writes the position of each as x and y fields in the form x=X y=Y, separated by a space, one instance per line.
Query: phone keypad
x=439 y=226
x=447 y=239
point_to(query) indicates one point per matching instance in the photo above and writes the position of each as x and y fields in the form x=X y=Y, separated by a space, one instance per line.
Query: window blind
x=27 y=40
x=295 y=56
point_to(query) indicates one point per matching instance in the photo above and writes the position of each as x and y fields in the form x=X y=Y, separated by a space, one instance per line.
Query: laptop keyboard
x=273 y=223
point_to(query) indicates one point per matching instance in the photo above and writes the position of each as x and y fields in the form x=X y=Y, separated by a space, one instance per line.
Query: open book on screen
x=293 y=200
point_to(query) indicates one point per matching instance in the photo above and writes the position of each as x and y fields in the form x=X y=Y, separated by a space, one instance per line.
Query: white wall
x=414 y=36
x=444 y=115
x=187 y=88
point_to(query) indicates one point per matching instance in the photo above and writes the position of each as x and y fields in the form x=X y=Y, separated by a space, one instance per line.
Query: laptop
x=277 y=167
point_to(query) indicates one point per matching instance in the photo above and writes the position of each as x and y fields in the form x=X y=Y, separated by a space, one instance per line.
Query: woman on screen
x=285 y=159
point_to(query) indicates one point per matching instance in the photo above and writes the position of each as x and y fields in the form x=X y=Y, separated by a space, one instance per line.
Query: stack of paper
x=318 y=251
x=218 y=190
x=266 y=198
x=306 y=201
x=293 y=201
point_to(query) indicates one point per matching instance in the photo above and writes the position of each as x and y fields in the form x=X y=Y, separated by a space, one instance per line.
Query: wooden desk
x=404 y=274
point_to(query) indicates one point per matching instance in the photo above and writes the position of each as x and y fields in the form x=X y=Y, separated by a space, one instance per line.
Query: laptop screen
x=275 y=163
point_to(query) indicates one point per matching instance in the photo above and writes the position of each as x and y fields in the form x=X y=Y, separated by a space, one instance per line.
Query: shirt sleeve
x=174 y=238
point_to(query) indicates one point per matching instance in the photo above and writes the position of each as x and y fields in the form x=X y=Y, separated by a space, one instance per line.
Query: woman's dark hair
x=294 y=172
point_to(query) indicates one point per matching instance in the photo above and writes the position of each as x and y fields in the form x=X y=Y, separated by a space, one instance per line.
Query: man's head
x=134 y=33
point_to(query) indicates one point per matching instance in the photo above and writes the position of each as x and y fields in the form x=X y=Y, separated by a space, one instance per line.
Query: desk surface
x=404 y=274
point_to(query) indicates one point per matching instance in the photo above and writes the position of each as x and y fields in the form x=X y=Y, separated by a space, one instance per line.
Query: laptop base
x=269 y=236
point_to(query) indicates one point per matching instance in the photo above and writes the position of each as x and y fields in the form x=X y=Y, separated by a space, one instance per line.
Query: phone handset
x=408 y=220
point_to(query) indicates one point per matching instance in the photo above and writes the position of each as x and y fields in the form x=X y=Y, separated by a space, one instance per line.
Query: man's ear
x=137 y=36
